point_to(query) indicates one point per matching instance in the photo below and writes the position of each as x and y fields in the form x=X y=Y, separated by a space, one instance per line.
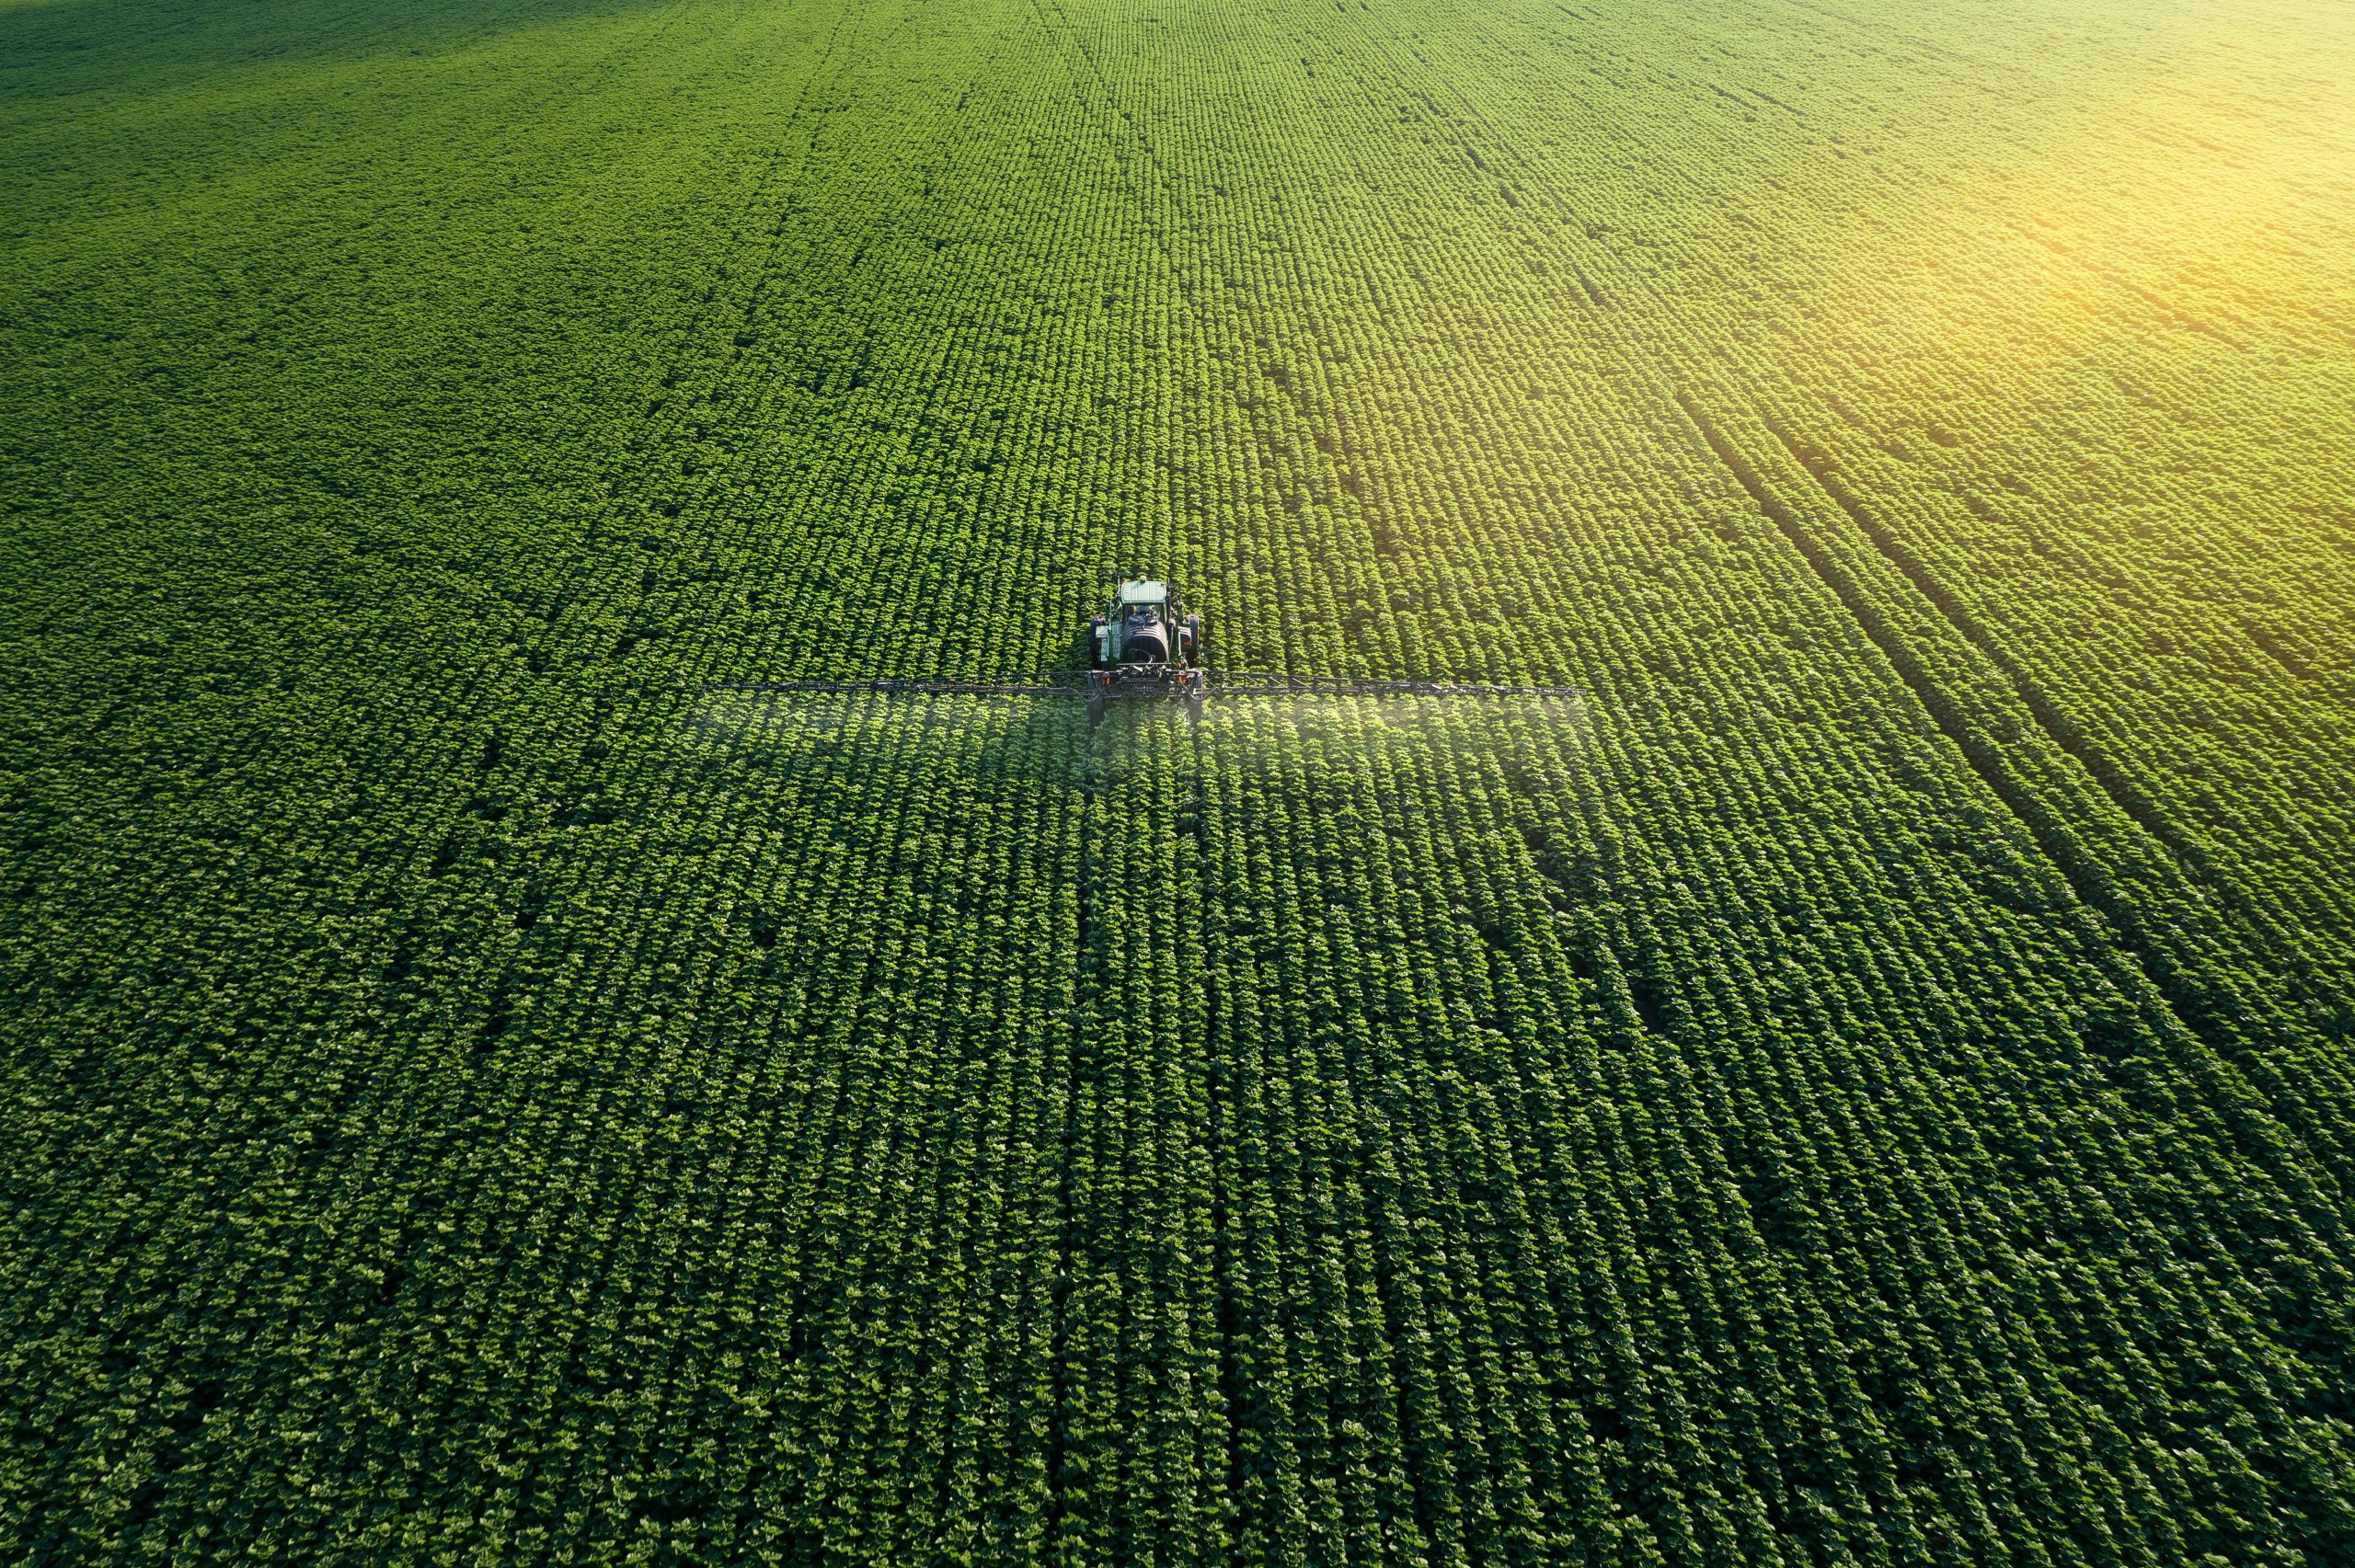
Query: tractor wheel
x=1095 y=709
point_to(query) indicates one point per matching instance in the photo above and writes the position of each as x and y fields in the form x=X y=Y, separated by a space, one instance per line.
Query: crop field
x=1866 y=1079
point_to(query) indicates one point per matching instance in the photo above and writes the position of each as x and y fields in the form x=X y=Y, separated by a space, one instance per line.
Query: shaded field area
x=1867 y=1082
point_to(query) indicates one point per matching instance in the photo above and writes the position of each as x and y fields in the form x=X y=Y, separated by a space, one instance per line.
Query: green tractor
x=1145 y=643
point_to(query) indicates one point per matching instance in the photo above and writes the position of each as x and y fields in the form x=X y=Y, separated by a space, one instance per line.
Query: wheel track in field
x=2124 y=931
x=2130 y=801
x=2255 y=1140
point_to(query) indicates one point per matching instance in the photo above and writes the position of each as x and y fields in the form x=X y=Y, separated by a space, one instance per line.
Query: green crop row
x=1865 y=1083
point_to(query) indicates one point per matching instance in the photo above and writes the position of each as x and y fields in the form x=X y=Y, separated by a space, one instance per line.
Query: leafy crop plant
x=1863 y=1081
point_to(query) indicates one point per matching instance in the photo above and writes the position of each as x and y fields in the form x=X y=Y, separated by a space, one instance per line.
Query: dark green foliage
x=1867 y=1084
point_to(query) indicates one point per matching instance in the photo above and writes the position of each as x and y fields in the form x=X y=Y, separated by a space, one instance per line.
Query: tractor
x=1146 y=644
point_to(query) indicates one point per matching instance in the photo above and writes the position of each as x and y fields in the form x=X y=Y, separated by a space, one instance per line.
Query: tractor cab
x=1144 y=626
x=1145 y=643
